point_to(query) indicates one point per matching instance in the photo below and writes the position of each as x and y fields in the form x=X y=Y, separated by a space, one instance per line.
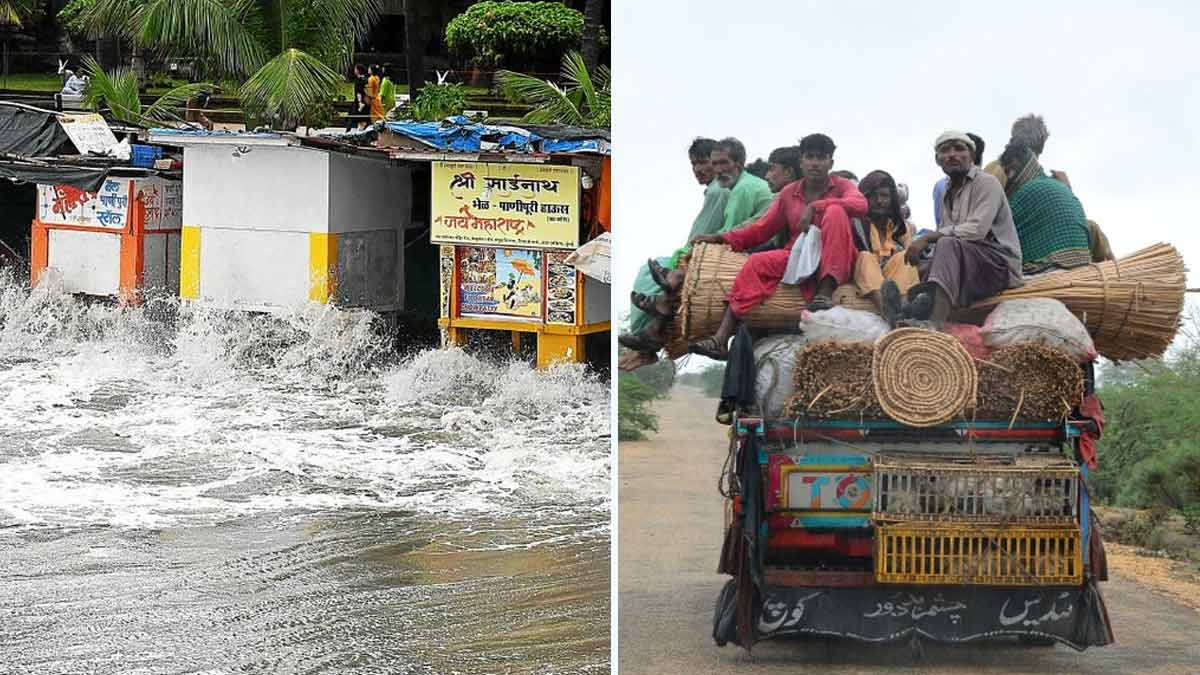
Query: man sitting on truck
x=816 y=199
x=748 y=197
x=976 y=252
x=1050 y=221
x=880 y=270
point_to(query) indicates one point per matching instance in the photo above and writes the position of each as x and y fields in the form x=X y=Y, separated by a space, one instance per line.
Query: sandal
x=659 y=274
x=819 y=303
x=640 y=342
x=708 y=347
x=646 y=304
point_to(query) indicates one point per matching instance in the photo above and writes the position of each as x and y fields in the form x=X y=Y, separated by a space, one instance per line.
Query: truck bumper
x=1073 y=616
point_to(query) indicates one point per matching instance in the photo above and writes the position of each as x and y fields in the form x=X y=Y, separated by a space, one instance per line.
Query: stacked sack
x=1031 y=368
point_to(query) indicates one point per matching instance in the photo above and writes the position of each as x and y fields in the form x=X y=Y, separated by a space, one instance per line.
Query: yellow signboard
x=526 y=205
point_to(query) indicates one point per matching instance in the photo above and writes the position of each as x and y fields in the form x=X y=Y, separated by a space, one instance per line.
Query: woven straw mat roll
x=922 y=378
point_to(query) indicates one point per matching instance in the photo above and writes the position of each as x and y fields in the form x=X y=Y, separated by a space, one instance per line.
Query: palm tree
x=593 y=16
x=118 y=91
x=290 y=53
x=13 y=14
x=115 y=18
x=585 y=101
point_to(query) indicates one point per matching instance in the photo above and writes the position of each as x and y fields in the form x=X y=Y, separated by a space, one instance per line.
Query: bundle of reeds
x=833 y=379
x=1131 y=306
x=1028 y=382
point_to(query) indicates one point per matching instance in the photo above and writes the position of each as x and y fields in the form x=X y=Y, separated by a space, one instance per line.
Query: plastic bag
x=971 y=337
x=844 y=325
x=1042 y=320
x=805 y=256
x=775 y=364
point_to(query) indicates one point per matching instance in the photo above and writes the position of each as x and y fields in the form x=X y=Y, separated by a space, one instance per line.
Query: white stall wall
x=251 y=270
x=256 y=188
x=89 y=262
x=368 y=194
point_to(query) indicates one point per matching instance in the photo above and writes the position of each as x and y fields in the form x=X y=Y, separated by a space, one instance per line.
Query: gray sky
x=1119 y=89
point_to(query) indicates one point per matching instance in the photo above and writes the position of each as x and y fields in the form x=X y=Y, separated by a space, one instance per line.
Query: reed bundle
x=1130 y=306
x=1028 y=382
x=922 y=378
x=833 y=379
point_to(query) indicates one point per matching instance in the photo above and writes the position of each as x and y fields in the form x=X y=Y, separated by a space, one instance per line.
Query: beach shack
x=270 y=222
x=508 y=208
x=106 y=219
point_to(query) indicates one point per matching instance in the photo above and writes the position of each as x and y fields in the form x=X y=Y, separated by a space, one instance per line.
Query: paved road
x=670 y=537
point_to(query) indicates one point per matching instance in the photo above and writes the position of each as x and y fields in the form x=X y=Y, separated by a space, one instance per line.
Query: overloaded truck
x=907 y=484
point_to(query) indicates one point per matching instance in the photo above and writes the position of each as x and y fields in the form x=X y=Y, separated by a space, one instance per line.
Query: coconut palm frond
x=117 y=91
x=290 y=87
x=217 y=29
x=168 y=104
x=551 y=104
x=584 y=100
x=105 y=18
x=15 y=12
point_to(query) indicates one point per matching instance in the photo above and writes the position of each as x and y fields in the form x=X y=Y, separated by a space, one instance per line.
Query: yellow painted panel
x=189 y=262
x=322 y=266
x=553 y=348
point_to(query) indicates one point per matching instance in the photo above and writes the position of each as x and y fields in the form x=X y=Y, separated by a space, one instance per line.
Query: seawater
x=186 y=490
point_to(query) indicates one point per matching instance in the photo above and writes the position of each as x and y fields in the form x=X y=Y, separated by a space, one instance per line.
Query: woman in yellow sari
x=374 y=82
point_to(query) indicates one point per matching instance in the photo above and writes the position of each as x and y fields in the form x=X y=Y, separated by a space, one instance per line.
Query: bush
x=634 y=417
x=515 y=34
x=438 y=101
x=709 y=380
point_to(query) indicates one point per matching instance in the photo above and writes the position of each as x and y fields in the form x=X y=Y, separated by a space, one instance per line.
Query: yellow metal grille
x=960 y=553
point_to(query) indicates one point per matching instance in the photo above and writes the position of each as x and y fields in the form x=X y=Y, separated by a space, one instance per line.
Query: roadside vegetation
x=635 y=392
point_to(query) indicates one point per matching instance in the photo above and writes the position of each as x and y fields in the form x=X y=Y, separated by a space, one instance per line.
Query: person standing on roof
x=817 y=199
x=976 y=251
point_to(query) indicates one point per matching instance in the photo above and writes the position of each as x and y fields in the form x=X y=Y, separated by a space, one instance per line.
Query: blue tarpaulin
x=459 y=134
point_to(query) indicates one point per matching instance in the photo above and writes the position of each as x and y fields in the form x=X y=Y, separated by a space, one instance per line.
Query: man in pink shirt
x=829 y=202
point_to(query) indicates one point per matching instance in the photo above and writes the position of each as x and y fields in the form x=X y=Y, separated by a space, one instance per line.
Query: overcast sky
x=1119 y=88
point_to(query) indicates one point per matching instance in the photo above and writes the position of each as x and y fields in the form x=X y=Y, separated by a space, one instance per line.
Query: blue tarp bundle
x=459 y=134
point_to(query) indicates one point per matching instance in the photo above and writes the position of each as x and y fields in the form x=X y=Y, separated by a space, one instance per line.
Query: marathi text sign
x=530 y=205
x=89 y=132
x=109 y=207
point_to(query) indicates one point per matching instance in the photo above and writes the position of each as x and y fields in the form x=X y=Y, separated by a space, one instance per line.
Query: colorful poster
x=527 y=205
x=500 y=281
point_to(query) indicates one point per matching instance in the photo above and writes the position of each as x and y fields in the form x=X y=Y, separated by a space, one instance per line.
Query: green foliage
x=634 y=417
x=584 y=100
x=1151 y=446
x=20 y=12
x=708 y=380
x=1191 y=518
x=287 y=53
x=659 y=377
x=118 y=91
x=517 y=34
x=438 y=101
x=70 y=16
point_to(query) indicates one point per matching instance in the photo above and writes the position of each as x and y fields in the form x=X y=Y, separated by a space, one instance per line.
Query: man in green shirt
x=746 y=198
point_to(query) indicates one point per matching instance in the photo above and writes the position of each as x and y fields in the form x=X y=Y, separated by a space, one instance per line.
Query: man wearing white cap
x=977 y=253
